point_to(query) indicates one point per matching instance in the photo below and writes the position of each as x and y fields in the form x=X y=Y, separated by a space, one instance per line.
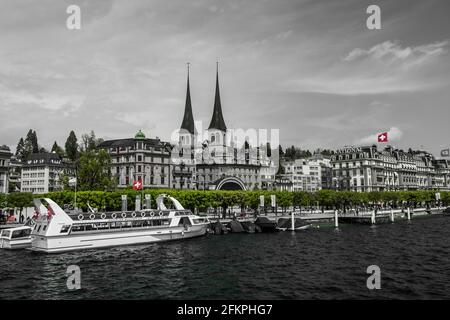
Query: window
x=65 y=228
x=77 y=228
x=20 y=233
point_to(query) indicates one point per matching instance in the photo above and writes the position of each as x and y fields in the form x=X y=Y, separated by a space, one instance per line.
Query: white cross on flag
x=137 y=185
x=383 y=137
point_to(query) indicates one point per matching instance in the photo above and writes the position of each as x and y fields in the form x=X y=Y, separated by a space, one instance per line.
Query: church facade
x=218 y=159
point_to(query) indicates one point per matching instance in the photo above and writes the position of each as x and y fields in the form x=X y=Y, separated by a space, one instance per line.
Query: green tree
x=20 y=200
x=71 y=146
x=34 y=142
x=89 y=142
x=94 y=171
x=20 y=150
x=57 y=149
x=3 y=200
x=28 y=144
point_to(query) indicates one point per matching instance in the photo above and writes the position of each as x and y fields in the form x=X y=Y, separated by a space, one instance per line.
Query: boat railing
x=149 y=213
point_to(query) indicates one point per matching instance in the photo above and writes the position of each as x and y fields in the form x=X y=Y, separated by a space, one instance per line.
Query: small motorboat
x=218 y=228
x=266 y=224
x=16 y=238
x=286 y=224
x=250 y=227
x=235 y=226
x=446 y=212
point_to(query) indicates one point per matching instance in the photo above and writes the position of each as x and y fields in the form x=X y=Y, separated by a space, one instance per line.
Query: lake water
x=314 y=264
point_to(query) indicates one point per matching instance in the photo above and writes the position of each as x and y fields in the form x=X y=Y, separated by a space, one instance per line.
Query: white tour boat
x=57 y=231
x=16 y=238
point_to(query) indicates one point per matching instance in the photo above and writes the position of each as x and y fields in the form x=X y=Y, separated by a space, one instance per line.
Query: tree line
x=92 y=166
x=72 y=148
x=202 y=200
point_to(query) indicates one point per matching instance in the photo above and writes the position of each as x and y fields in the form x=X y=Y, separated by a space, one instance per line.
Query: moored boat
x=284 y=224
x=16 y=238
x=57 y=231
x=266 y=224
x=446 y=212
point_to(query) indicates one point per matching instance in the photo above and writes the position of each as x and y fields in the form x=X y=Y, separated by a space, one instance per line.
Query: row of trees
x=202 y=200
x=72 y=149
x=92 y=166
x=292 y=153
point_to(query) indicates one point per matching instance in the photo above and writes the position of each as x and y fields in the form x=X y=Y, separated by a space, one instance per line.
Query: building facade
x=5 y=156
x=309 y=174
x=139 y=158
x=43 y=172
x=370 y=169
x=15 y=172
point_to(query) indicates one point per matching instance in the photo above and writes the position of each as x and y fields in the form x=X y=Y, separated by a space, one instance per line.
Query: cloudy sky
x=309 y=68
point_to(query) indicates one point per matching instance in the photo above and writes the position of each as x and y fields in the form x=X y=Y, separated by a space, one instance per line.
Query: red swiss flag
x=137 y=185
x=383 y=137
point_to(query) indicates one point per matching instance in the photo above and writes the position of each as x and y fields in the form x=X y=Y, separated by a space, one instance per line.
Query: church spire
x=188 y=119
x=217 y=121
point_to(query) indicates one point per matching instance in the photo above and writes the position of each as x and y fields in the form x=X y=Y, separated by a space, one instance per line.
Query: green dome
x=139 y=135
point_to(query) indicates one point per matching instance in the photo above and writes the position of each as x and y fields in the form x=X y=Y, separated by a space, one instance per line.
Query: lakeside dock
x=327 y=217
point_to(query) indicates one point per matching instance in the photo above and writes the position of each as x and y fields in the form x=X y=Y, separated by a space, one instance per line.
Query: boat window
x=6 y=233
x=90 y=227
x=126 y=224
x=65 y=228
x=184 y=221
x=114 y=225
x=102 y=226
x=39 y=228
x=137 y=224
x=45 y=228
x=20 y=233
x=77 y=228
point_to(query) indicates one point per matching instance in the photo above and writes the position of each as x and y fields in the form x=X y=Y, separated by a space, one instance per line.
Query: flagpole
x=76 y=183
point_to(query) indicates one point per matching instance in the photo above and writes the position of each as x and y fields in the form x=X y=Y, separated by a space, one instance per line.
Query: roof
x=188 y=118
x=129 y=142
x=140 y=135
x=44 y=158
x=5 y=152
x=217 y=121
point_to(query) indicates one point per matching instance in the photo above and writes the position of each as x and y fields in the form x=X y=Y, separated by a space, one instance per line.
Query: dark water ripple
x=316 y=264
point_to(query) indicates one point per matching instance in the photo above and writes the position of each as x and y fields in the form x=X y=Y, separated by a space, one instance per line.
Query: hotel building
x=139 y=158
x=42 y=173
x=370 y=169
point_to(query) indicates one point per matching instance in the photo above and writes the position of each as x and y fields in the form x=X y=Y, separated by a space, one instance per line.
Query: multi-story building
x=442 y=174
x=310 y=174
x=370 y=169
x=5 y=155
x=139 y=158
x=42 y=172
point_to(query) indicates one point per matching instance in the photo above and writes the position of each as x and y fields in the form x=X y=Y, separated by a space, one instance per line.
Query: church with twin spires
x=214 y=160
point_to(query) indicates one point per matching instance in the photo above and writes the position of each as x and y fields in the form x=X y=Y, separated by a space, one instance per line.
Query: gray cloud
x=309 y=68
